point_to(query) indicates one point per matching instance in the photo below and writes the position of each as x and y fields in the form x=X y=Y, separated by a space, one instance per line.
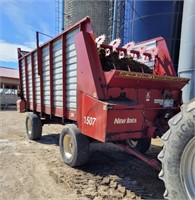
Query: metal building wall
x=98 y=11
x=187 y=49
x=148 y=19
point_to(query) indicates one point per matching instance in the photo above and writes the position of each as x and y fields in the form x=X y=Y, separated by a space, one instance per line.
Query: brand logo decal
x=125 y=121
x=150 y=76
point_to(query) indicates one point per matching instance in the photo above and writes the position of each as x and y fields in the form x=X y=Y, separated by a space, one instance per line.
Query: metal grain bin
x=149 y=19
x=98 y=11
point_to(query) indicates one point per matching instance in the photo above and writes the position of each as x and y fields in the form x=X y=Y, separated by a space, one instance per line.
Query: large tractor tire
x=178 y=155
x=74 y=146
x=141 y=145
x=33 y=126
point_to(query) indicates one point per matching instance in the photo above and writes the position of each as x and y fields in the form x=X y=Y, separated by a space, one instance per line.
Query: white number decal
x=89 y=120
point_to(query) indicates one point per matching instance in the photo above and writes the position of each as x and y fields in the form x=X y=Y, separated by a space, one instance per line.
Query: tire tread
x=171 y=153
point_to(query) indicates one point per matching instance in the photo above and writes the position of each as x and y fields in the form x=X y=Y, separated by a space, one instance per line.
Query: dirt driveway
x=34 y=170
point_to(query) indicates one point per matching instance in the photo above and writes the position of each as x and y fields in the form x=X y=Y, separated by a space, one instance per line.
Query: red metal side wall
x=49 y=74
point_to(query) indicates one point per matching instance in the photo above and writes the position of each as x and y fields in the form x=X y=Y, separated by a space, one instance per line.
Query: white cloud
x=18 y=16
x=22 y=20
x=8 y=51
x=25 y=20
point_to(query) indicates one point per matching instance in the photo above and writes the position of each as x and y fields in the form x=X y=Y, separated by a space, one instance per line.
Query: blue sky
x=19 y=21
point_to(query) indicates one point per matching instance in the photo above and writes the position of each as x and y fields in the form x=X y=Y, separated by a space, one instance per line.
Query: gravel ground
x=34 y=170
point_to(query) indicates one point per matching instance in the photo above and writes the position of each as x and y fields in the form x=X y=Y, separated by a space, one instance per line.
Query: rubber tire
x=143 y=145
x=80 y=142
x=36 y=126
x=181 y=132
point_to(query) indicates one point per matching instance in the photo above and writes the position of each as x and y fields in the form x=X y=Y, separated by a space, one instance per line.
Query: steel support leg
x=152 y=162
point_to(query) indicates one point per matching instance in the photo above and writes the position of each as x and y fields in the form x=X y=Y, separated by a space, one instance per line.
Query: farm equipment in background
x=9 y=82
x=106 y=93
x=8 y=97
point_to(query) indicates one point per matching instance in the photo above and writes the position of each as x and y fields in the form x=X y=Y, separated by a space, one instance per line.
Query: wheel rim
x=132 y=143
x=29 y=126
x=68 y=146
x=187 y=169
